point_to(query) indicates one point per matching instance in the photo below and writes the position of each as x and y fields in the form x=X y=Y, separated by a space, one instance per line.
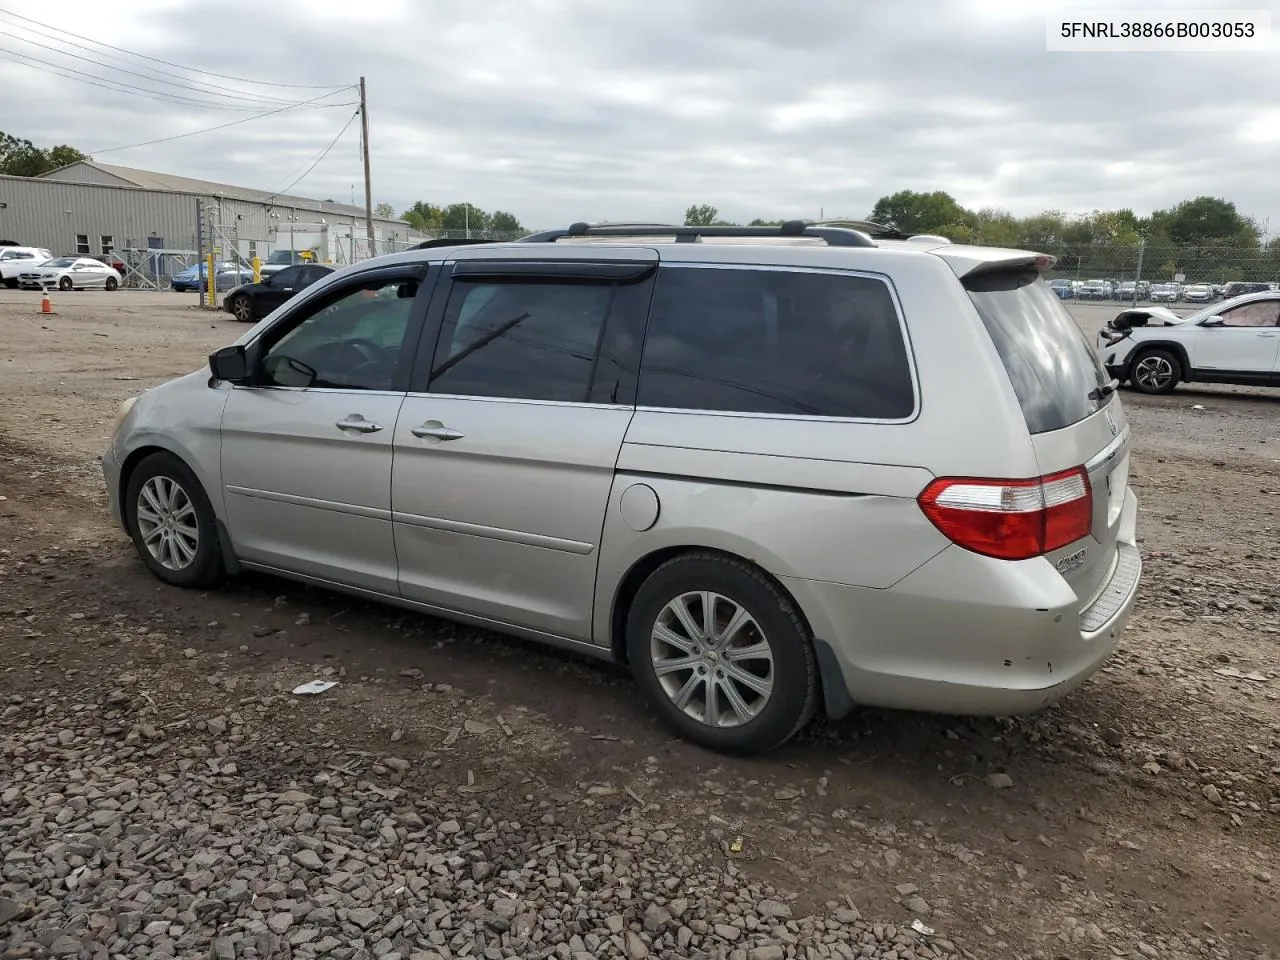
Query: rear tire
x=172 y=524
x=743 y=680
x=1155 y=371
x=112 y=283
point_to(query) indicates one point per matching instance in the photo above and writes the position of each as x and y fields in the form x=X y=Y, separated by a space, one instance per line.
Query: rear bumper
x=966 y=634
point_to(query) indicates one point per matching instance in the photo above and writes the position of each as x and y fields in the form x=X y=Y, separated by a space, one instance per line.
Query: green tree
x=912 y=212
x=701 y=215
x=996 y=228
x=502 y=222
x=757 y=222
x=1206 y=220
x=424 y=217
x=384 y=210
x=465 y=216
x=22 y=158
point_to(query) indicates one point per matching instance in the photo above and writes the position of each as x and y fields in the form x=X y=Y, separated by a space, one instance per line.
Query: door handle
x=436 y=431
x=359 y=424
x=1268 y=334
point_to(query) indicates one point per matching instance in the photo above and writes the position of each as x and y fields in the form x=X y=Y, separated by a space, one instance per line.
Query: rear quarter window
x=765 y=341
x=1050 y=363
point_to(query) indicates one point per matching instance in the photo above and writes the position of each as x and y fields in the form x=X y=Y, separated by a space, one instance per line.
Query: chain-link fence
x=1163 y=263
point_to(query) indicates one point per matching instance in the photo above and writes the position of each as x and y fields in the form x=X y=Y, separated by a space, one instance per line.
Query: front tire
x=11 y=284
x=1155 y=372
x=722 y=654
x=172 y=523
x=65 y=284
x=242 y=309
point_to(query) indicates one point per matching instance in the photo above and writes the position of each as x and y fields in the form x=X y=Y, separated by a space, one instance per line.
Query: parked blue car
x=1063 y=289
x=226 y=275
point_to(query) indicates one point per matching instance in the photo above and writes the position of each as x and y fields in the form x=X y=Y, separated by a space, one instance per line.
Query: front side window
x=1261 y=313
x=529 y=341
x=775 y=342
x=350 y=340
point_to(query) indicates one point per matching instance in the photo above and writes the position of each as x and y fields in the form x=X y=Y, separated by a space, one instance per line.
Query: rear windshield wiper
x=1104 y=390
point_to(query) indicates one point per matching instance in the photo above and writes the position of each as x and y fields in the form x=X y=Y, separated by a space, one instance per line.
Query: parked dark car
x=1239 y=288
x=253 y=301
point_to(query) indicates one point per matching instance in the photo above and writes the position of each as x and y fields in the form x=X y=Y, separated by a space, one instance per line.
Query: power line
x=323 y=153
x=256 y=101
x=120 y=86
x=169 y=63
x=223 y=126
x=167 y=75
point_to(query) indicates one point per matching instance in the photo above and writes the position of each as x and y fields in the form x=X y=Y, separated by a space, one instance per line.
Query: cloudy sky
x=560 y=110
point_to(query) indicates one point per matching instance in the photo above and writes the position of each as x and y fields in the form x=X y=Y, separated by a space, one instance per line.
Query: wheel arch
x=1178 y=349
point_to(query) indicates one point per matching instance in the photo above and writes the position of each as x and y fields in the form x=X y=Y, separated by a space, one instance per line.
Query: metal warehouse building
x=156 y=221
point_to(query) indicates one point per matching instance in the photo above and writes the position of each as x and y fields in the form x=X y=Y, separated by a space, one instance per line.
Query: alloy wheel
x=1153 y=373
x=167 y=523
x=712 y=659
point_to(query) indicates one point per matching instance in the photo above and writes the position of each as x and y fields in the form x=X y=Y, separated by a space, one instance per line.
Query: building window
x=253 y=249
x=82 y=243
x=108 y=243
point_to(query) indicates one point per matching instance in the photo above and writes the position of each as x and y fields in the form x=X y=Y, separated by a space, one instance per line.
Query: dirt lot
x=161 y=793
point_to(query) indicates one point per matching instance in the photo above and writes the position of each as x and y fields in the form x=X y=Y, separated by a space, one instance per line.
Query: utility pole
x=368 y=187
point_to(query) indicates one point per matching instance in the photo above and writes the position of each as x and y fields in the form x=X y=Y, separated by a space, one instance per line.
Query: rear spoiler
x=973 y=261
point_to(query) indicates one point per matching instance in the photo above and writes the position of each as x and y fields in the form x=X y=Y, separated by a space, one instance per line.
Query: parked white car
x=13 y=260
x=1236 y=341
x=70 y=273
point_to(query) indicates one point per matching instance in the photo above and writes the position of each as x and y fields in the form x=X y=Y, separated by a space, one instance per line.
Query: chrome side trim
x=495 y=533
x=355 y=510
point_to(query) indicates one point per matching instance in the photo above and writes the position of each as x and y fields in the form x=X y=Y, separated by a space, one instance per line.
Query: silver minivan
x=776 y=470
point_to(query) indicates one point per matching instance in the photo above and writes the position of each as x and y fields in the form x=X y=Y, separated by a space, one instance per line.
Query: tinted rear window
x=1051 y=364
x=775 y=341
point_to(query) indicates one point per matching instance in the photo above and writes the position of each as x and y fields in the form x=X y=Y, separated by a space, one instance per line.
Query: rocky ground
x=164 y=794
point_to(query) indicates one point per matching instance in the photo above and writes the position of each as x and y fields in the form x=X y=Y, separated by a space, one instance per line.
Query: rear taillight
x=1012 y=519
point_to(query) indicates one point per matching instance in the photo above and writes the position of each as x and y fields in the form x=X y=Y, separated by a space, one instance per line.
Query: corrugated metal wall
x=56 y=214
x=85 y=173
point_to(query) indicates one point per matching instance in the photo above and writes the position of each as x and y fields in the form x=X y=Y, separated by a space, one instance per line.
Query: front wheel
x=1155 y=371
x=722 y=654
x=171 y=522
x=65 y=284
x=112 y=283
x=242 y=309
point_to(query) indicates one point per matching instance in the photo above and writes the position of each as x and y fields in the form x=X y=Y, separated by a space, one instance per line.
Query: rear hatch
x=1070 y=406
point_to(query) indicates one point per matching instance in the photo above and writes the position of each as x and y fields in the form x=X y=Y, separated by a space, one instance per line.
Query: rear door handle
x=359 y=424
x=1268 y=335
x=436 y=431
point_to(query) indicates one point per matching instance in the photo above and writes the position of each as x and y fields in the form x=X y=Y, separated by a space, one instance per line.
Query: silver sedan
x=70 y=273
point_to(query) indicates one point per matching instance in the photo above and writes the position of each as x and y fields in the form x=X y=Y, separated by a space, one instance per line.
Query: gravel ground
x=163 y=794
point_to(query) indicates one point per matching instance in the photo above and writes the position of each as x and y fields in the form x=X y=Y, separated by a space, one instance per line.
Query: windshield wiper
x=1104 y=390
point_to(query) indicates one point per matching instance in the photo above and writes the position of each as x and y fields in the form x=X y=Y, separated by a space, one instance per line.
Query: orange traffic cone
x=46 y=305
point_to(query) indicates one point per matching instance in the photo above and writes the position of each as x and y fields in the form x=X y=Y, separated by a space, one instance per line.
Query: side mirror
x=230 y=364
x=1214 y=321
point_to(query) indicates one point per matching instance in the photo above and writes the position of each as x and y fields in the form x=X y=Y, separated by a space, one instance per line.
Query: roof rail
x=442 y=242
x=877 y=231
x=834 y=236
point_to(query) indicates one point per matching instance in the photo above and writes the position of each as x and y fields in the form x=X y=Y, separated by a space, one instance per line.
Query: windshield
x=282 y=256
x=61 y=262
x=1054 y=371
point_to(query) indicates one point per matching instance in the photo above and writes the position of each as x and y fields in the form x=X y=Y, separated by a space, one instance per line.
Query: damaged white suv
x=1237 y=341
